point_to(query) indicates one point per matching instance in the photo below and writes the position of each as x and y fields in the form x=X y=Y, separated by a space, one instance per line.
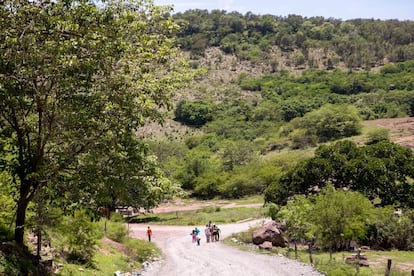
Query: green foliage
x=248 y=83
x=294 y=108
x=196 y=113
x=115 y=229
x=238 y=186
x=196 y=163
x=333 y=218
x=246 y=236
x=7 y=206
x=390 y=69
x=302 y=138
x=117 y=217
x=373 y=170
x=273 y=210
x=16 y=260
x=296 y=214
x=390 y=229
x=208 y=184
x=332 y=122
x=209 y=209
x=141 y=251
x=95 y=85
x=79 y=237
x=340 y=217
x=251 y=36
x=377 y=135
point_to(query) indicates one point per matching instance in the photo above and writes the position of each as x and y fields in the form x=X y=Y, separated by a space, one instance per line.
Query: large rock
x=266 y=245
x=271 y=232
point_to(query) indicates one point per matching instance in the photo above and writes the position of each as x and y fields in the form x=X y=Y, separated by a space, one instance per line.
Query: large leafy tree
x=296 y=216
x=381 y=171
x=77 y=80
x=340 y=217
x=332 y=122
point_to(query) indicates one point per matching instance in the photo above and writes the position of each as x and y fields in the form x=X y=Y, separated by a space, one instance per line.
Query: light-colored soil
x=401 y=130
x=182 y=257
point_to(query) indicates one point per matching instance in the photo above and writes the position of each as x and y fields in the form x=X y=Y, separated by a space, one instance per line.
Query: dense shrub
x=79 y=237
x=116 y=231
x=377 y=135
x=391 y=230
x=141 y=251
x=194 y=113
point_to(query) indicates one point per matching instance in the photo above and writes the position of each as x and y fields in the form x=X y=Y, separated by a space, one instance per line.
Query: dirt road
x=182 y=257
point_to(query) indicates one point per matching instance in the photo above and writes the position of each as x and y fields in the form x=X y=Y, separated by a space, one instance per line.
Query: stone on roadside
x=267 y=245
x=271 y=232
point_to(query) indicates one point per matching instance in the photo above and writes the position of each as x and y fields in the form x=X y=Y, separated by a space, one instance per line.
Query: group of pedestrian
x=212 y=232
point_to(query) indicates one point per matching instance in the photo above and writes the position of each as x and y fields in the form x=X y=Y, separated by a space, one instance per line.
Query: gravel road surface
x=182 y=257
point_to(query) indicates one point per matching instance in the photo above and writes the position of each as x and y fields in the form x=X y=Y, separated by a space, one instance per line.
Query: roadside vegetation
x=78 y=246
x=402 y=261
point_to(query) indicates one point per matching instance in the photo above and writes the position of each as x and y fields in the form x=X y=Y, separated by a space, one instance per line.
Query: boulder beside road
x=270 y=232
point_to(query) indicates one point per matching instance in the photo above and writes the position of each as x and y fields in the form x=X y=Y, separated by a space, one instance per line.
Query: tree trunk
x=20 y=220
x=39 y=243
x=310 y=253
x=296 y=249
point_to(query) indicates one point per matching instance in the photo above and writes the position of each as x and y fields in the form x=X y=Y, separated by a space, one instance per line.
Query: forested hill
x=314 y=42
x=250 y=58
x=277 y=88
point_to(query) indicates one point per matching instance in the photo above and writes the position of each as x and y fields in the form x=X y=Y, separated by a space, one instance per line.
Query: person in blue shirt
x=197 y=235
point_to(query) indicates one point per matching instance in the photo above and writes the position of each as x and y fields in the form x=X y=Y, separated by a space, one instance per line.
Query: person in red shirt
x=149 y=233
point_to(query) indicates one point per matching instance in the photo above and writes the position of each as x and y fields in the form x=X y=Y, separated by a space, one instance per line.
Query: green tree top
x=78 y=79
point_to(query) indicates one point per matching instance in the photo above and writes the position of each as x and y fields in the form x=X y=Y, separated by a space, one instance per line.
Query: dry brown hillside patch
x=401 y=129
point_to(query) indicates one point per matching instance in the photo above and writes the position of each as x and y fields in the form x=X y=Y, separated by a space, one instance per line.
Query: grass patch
x=109 y=259
x=141 y=251
x=402 y=261
x=256 y=199
x=105 y=262
x=114 y=251
x=200 y=216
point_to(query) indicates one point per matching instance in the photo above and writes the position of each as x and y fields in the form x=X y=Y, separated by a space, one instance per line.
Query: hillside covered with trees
x=314 y=41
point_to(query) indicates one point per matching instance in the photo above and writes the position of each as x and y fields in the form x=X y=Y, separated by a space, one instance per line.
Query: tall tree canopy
x=381 y=171
x=77 y=80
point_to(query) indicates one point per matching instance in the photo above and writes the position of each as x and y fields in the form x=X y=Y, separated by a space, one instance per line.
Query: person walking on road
x=207 y=232
x=149 y=233
x=197 y=233
x=216 y=233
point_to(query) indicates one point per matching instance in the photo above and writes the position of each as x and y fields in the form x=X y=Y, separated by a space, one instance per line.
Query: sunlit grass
x=200 y=216
x=111 y=256
x=105 y=262
x=402 y=261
